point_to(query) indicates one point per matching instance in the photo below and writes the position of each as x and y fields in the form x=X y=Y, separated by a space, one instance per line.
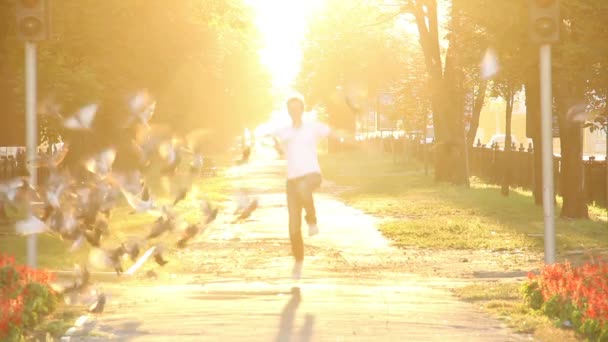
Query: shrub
x=576 y=296
x=25 y=298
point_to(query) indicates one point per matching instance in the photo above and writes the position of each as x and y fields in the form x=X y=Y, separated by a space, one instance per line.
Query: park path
x=353 y=286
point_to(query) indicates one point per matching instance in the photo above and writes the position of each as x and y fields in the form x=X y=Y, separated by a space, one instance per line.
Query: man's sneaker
x=297 y=270
x=313 y=229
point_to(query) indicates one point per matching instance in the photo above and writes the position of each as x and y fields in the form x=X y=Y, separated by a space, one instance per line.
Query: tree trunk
x=570 y=88
x=342 y=119
x=532 y=92
x=506 y=179
x=457 y=149
x=571 y=142
x=12 y=114
x=449 y=146
x=447 y=97
x=477 y=106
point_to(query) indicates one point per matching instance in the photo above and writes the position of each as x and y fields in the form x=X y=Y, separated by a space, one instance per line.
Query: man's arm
x=326 y=131
x=339 y=134
x=277 y=146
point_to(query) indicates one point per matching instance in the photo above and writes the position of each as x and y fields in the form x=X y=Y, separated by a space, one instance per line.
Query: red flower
x=585 y=287
x=12 y=294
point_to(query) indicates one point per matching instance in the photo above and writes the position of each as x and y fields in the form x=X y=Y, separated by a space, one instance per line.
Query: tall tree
x=446 y=79
x=505 y=33
x=197 y=58
x=350 y=57
x=574 y=60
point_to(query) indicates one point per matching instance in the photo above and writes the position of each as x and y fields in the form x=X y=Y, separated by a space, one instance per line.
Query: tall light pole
x=546 y=105
x=544 y=24
x=31 y=133
x=32 y=25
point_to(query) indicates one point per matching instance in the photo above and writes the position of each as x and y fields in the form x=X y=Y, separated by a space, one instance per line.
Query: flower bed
x=25 y=298
x=575 y=296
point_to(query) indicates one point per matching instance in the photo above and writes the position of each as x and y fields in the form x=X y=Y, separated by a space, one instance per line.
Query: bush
x=25 y=298
x=574 y=296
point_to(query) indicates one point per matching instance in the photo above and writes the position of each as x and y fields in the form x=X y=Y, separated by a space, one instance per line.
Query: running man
x=299 y=146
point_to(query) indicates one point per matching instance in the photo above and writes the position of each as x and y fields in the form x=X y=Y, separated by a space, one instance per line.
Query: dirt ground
x=234 y=282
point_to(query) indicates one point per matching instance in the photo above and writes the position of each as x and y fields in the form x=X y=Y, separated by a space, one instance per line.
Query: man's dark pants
x=299 y=196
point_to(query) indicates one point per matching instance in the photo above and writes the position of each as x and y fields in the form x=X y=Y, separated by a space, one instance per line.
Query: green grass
x=421 y=213
x=488 y=291
x=58 y=323
x=53 y=252
x=504 y=301
x=425 y=214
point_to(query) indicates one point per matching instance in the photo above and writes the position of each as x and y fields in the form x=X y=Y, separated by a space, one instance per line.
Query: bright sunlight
x=283 y=25
x=160 y=180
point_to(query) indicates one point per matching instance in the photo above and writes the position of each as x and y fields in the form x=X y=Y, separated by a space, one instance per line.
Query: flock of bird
x=78 y=206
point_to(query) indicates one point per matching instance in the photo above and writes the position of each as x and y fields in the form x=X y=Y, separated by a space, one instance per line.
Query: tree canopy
x=351 y=55
x=355 y=44
x=197 y=58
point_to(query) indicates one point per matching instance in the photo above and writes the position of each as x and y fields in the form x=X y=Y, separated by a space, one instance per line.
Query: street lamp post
x=544 y=23
x=32 y=19
x=31 y=133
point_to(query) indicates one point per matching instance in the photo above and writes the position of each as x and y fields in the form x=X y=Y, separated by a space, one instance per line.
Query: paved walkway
x=353 y=288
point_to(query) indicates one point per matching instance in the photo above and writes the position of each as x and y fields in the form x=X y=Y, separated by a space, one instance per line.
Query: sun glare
x=283 y=25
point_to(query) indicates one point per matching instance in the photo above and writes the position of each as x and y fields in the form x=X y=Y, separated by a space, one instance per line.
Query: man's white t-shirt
x=300 y=147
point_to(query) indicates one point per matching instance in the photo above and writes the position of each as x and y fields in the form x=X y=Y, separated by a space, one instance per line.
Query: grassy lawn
x=504 y=301
x=53 y=252
x=422 y=213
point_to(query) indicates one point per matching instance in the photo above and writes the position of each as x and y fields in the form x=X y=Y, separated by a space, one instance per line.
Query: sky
x=283 y=25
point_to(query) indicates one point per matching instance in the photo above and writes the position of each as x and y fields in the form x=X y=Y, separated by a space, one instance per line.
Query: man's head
x=295 y=107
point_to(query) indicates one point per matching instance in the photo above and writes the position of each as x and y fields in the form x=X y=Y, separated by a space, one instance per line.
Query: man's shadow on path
x=288 y=316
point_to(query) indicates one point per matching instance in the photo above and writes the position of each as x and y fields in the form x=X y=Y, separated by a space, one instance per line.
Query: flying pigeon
x=31 y=225
x=82 y=119
x=251 y=207
x=101 y=164
x=158 y=256
x=99 y=304
x=188 y=234
x=142 y=202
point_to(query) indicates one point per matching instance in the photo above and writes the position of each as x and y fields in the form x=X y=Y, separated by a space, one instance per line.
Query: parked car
x=500 y=140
